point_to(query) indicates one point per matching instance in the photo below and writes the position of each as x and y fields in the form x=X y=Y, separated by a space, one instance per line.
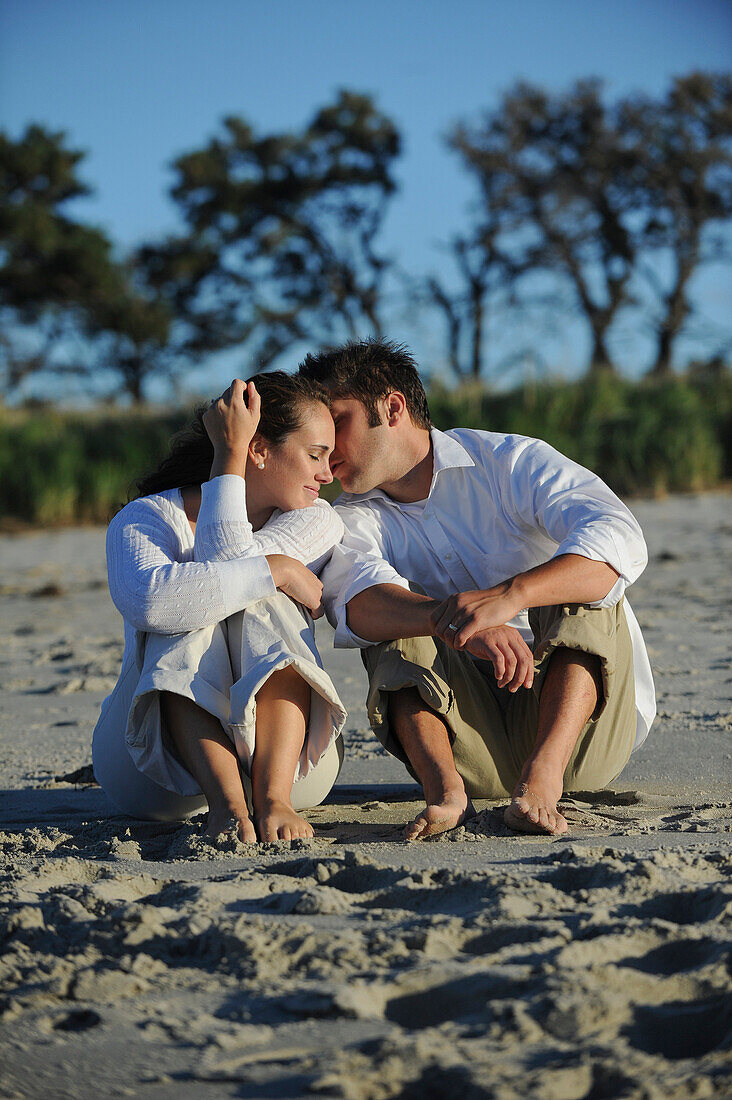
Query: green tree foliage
x=60 y=286
x=607 y=196
x=281 y=234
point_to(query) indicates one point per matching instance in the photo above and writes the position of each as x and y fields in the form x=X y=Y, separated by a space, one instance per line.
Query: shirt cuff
x=616 y=592
x=627 y=557
x=344 y=637
x=614 y=596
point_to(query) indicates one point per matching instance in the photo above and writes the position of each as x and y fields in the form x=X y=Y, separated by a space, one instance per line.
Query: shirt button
x=448 y=557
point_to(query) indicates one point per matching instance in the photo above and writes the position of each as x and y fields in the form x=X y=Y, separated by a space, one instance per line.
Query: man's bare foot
x=276 y=820
x=225 y=822
x=533 y=808
x=439 y=817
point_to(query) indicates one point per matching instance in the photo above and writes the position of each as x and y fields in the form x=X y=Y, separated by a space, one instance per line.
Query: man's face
x=360 y=460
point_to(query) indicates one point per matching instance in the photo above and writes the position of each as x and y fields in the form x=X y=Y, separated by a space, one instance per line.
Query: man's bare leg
x=424 y=738
x=569 y=697
x=207 y=753
x=283 y=709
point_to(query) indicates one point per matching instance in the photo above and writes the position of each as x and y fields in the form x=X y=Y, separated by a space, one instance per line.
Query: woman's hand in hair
x=297 y=581
x=231 y=422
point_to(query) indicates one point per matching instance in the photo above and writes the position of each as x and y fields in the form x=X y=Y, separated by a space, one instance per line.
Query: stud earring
x=260 y=465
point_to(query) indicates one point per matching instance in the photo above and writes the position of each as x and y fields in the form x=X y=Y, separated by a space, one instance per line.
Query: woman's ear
x=258 y=452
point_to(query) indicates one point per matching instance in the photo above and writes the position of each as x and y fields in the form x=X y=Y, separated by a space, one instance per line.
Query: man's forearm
x=387 y=611
x=570 y=578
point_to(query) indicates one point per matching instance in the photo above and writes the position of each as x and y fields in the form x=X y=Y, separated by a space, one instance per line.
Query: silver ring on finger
x=451 y=626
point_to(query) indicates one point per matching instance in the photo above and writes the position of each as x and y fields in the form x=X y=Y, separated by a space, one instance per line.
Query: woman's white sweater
x=165 y=581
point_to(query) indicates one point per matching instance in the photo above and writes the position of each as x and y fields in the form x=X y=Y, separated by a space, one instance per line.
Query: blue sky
x=136 y=82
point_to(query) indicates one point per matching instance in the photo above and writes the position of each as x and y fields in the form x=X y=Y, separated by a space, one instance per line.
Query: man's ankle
x=446 y=788
x=542 y=773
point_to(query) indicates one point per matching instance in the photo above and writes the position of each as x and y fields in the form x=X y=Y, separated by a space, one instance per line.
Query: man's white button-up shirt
x=497 y=506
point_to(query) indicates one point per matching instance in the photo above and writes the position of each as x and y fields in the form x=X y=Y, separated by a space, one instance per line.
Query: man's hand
x=297 y=581
x=475 y=621
x=464 y=614
x=512 y=660
x=231 y=422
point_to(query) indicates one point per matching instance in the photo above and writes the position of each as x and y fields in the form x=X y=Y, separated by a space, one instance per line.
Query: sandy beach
x=139 y=961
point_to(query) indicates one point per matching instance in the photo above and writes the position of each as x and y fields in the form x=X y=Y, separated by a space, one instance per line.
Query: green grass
x=643 y=437
x=58 y=468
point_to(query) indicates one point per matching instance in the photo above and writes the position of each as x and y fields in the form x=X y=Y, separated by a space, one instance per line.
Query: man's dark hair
x=369 y=370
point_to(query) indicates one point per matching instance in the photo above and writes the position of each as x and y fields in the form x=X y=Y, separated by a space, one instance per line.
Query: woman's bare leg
x=283 y=709
x=208 y=754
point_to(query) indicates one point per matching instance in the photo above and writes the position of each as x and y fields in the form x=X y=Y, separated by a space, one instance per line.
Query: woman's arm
x=308 y=534
x=154 y=591
x=223 y=530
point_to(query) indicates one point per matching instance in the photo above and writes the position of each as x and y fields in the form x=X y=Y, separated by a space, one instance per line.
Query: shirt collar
x=447 y=454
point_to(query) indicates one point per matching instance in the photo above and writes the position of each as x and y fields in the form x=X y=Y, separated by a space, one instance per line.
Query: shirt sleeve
x=358 y=562
x=223 y=530
x=575 y=509
x=154 y=591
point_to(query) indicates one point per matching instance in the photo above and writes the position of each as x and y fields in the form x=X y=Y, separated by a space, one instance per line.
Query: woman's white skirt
x=220 y=668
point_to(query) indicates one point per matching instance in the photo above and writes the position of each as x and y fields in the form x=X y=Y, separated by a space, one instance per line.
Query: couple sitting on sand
x=482 y=576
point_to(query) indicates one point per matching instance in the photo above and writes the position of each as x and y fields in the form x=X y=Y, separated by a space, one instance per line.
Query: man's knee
x=405 y=703
x=406 y=710
x=578 y=673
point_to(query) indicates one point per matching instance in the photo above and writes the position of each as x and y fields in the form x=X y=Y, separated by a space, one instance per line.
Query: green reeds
x=648 y=437
x=58 y=467
x=643 y=438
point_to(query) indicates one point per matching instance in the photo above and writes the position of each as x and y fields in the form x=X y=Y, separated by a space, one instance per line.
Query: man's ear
x=395 y=407
x=258 y=451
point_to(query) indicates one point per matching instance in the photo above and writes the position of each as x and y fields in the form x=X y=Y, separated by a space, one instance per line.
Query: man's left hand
x=464 y=614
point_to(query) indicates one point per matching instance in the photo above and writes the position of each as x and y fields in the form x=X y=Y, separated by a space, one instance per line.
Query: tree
x=281 y=229
x=687 y=169
x=487 y=273
x=591 y=192
x=465 y=313
x=65 y=302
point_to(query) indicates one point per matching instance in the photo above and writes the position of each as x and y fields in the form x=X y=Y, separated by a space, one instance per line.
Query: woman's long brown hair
x=285 y=398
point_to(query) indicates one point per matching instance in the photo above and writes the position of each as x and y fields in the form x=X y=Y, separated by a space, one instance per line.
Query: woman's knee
x=317 y=785
x=284 y=683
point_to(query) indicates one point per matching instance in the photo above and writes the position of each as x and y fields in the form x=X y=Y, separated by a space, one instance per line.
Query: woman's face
x=294 y=471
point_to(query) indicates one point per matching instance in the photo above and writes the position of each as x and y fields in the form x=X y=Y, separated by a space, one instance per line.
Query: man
x=450 y=538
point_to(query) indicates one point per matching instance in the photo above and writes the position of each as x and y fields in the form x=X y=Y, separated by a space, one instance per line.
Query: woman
x=212 y=568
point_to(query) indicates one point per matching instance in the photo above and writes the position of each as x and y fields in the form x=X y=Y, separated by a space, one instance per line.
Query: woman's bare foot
x=225 y=822
x=440 y=816
x=276 y=820
x=533 y=808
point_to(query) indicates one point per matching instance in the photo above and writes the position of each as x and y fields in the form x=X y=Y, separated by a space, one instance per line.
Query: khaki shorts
x=492 y=731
